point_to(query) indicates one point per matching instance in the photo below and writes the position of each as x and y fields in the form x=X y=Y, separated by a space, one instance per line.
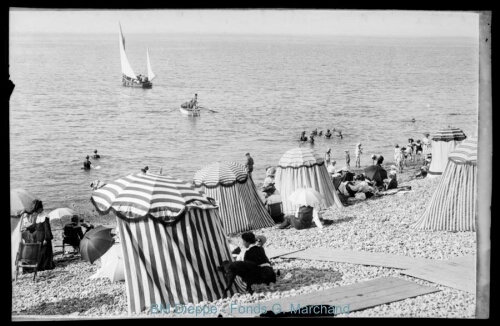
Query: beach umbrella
x=449 y=134
x=142 y=195
x=20 y=200
x=307 y=197
x=95 y=243
x=59 y=213
x=112 y=264
x=376 y=173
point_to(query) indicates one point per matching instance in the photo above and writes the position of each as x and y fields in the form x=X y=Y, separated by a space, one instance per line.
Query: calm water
x=69 y=101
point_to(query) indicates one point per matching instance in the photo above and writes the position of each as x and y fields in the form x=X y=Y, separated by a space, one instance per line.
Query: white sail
x=126 y=68
x=151 y=74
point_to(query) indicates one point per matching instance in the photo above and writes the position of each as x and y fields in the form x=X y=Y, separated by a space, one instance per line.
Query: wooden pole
x=484 y=169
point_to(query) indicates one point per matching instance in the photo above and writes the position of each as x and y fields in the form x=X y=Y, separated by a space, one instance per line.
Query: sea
x=259 y=92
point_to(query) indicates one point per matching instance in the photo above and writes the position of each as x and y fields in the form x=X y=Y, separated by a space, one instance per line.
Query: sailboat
x=129 y=78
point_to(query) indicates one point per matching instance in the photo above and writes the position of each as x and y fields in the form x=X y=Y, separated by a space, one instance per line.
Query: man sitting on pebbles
x=303 y=218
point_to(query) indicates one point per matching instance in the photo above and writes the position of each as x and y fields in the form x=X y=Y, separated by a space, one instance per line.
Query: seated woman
x=73 y=233
x=303 y=218
x=391 y=182
x=423 y=172
x=253 y=250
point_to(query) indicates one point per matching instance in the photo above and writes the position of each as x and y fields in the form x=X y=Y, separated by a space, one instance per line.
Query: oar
x=202 y=107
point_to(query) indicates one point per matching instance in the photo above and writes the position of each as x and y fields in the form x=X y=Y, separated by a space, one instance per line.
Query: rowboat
x=192 y=112
x=129 y=78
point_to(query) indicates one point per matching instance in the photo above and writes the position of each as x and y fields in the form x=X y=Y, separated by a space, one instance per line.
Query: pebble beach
x=379 y=225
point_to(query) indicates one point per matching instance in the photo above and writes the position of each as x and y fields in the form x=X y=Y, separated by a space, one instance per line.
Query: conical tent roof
x=466 y=152
x=302 y=168
x=449 y=134
x=240 y=207
x=172 y=241
x=142 y=195
x=220 y=174
x=453 y=203
x=299 y=157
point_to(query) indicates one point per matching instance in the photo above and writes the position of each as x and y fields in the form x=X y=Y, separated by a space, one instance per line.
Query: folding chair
x=28 y=257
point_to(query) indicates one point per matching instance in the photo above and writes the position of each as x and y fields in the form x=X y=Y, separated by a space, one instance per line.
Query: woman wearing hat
x=42 y=233
x=253 y=250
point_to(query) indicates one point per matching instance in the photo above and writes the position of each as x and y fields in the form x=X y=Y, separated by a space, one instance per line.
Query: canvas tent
x=112 y=265
x=301 y=168
x=172 y=240
x=240 y=207
x=453 y=204
x=443 y=142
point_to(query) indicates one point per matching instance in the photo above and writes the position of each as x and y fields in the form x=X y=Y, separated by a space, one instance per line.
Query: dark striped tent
x=172 y=240
x=453 y=204
x=240 y=207
x=443 y=142
x=301 y=168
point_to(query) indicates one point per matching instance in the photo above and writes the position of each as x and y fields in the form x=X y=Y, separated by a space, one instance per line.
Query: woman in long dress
x=42 y=233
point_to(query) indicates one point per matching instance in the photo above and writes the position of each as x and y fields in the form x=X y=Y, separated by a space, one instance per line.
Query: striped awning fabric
x=142 y=195
x=449 y=134
x=175 y=265
x=300 y=157
x=220 y=174
x=466 y=152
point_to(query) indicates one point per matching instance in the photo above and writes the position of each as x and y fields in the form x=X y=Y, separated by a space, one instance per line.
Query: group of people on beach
x=412 y=152
x=36 y=228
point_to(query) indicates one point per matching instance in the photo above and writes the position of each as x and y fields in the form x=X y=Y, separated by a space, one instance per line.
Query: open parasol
x=95 y=243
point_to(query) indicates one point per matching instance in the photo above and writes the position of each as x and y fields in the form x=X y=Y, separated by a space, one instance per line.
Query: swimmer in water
x=87 y=163
x=413 y=120
x=96 y=156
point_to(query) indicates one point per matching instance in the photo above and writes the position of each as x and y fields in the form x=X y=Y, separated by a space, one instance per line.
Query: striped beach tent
x=302 y=168
x=240 y=207
x=172 y=240
x=453 y=204
x=443 y=142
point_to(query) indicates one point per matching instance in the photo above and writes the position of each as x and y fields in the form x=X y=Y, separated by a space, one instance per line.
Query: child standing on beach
x=358 y=153
x=347 y=159
x=327 y=156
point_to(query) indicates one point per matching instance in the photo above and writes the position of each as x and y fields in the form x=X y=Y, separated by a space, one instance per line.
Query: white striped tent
x=301 y=168
x=443 y=142
x=453 y=204
x=240 y=207
x=172 y=240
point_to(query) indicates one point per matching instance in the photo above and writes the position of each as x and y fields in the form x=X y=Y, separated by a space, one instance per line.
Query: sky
x=248 y=21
